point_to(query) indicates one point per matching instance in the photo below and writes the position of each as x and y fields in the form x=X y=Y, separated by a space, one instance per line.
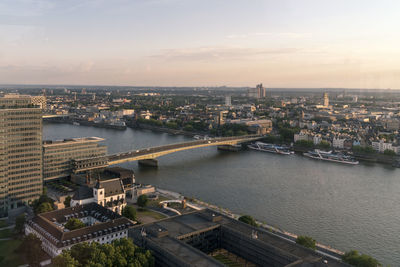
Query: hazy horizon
x=190 y=43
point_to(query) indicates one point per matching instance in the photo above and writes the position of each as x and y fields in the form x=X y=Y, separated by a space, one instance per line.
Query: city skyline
x=290 y=44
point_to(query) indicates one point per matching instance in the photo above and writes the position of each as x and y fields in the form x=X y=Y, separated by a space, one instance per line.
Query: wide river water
x=346 y=207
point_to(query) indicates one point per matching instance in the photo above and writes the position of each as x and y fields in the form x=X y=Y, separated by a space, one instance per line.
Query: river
x=346 y=207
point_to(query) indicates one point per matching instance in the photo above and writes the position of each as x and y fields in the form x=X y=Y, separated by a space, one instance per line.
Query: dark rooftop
x=83 y=192
x=49 y=224
x=111 y=186
x=173 y=236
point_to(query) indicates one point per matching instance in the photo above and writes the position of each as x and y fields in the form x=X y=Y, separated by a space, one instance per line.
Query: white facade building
x=102 y=226
x=338 y=142
x=300 y=136
x=317 y=139
x=109 y=194
x=381 y=146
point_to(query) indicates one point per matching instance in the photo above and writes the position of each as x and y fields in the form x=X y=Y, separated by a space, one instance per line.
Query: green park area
x=8 y=256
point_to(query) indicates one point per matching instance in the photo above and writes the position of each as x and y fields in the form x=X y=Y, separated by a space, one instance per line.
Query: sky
x=281 y=43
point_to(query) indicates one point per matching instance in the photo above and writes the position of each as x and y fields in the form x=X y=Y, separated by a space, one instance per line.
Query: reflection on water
x=347 y=207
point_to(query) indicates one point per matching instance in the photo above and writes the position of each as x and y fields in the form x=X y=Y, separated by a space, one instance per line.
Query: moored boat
x=271 y=148
x=329 y=156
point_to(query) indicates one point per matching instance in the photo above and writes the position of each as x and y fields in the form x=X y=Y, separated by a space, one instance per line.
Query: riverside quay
x=202 y=237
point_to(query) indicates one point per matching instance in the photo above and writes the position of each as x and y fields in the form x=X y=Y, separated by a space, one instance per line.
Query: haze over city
x=322 y=44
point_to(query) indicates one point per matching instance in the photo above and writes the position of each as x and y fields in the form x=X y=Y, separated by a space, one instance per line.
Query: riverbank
x=163 y=129
x=84 y=123
x=375 y=158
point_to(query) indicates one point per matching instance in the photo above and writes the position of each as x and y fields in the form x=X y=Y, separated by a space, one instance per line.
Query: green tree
x=39 y=208
x=44 y=207
x=67 y=202
x=324 y=145
x=389 y=152
x=65 y=260
x=171 y=125
x=188 y=127
x=19 y=224
x=129 y=212
x=142 y=201
x=306 y=241
x=354 y=258
x=363 y=150
x=120 y=253
x=304 y=143
x=248 y=219
x=31 y=248
x=74 y=223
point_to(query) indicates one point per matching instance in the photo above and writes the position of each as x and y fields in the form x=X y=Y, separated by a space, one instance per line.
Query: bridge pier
x=148 y=162
x=233 y=148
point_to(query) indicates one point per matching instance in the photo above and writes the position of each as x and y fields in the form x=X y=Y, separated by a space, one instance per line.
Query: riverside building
x=20 y=152
x=58 y=156
x=200 y=237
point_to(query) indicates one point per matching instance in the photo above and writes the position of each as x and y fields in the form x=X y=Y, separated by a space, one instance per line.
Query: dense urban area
x=365 y=123
x=64 y=204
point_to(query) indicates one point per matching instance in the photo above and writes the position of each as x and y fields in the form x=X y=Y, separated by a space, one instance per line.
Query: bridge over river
x=147 y=156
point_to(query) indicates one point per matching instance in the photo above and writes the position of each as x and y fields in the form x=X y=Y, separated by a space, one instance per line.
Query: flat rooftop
x=47 y=143
x=172 y=236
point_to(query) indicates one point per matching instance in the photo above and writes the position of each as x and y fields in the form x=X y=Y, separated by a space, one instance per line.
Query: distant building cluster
x=258 y=92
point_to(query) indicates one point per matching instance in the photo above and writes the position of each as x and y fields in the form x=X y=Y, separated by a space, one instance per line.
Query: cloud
x=220 y=53
x=86 y=66
x=291 y=35
x=25 y=7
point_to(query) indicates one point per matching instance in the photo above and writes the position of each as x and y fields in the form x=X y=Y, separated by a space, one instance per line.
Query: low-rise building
x=109 y=193
x=102 y=226
x=381 y=146
x=338 y=142
x=301 y=136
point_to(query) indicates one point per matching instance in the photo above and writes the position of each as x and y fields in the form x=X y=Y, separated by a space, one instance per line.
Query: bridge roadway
x=155 y=152
x=148 y=155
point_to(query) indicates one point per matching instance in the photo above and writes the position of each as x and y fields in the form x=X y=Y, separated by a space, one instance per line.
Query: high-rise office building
x=228 y=101
x=20 y=151
x=258 y=92
x=326 y=100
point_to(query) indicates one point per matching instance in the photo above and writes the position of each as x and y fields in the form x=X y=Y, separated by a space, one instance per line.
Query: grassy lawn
x=7 y=255
x=149 y=213
x=6 y=233
x=154 y=203
x=227 y=261
x=3 y=223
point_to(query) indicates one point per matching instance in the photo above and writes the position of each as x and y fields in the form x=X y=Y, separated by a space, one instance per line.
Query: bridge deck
x=154 y=152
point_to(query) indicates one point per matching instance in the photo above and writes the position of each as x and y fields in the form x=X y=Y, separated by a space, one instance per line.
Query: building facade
x=381 y=146
x=58 y=156
x=338 y=142
x=326 y=100
x=21 y=178
x=102 y=226
x=108 y=193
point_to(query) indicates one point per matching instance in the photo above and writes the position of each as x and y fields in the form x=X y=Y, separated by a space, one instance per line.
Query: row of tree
x=120 y=252
x=352 y=257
